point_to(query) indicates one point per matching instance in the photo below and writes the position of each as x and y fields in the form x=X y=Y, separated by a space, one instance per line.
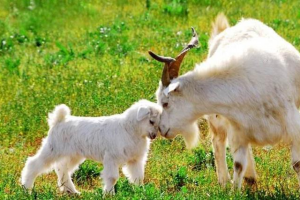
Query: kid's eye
x=151 y=122
x=165 y=105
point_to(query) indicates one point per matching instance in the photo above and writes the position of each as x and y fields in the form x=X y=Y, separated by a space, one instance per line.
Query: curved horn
x=161 y=58
x=165 y=78
x=175 y=66
x=193 y=42
x=172 y=66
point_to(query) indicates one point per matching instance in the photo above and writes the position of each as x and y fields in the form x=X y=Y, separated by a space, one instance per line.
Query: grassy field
x=92 y=56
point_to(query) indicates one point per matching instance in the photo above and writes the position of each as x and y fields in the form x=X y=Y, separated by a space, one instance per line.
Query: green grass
x=92 y=56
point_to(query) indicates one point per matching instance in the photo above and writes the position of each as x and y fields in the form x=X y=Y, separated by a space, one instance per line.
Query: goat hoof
x=250 y=181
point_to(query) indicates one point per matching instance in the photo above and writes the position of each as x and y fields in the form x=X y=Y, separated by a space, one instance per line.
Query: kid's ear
x=172 y=87
x=142 y=113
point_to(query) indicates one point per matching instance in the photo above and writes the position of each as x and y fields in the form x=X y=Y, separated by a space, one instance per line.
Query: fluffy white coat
x=118 y=140
x=251 y=78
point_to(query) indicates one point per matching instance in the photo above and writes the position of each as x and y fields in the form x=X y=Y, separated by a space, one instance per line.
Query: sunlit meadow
x=92 y=56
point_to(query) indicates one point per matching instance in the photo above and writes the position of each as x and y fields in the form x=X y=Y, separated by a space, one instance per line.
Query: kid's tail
x=220 y=24
x=58 y=115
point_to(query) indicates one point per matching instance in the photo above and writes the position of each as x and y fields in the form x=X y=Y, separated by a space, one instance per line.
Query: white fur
x=251 y=79
x=115 y=141
x=58 y=115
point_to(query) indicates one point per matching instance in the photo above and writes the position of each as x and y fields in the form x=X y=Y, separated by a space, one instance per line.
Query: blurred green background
x=92 y=56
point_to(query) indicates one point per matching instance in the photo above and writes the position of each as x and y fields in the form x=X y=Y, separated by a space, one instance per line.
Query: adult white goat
x=250 y=79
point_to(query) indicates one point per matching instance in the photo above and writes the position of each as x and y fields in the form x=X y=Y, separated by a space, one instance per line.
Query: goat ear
x=171 y=88
x=142 y=113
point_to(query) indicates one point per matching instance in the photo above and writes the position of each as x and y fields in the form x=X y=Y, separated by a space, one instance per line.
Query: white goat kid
x=113 y=140
x=252 y=82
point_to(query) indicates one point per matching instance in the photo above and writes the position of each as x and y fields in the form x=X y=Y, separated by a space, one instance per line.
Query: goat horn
x=193 y=43
x=172 y=66
x=165 y=78
x=175 y=66
x=161 y=58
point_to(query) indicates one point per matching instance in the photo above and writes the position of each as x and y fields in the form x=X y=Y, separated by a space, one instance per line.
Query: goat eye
x=165 y=105
x=151 y=122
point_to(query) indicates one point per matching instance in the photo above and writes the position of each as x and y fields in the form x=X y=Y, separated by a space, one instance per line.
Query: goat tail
x=220 y=24
x=58 y=115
